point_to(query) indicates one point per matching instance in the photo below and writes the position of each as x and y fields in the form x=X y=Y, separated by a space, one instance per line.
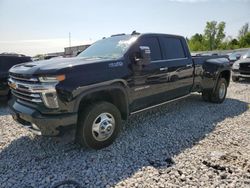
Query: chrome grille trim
x=26 y=98
x=24 y=79
x=28 y=89
x=26 y=94
x=32 y=88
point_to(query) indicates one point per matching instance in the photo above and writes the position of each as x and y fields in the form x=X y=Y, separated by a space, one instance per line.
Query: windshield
x=109 y=48
x=246 y=55
x=235 y=55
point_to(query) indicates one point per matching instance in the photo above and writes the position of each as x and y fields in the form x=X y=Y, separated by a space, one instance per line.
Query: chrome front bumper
x=240 y=73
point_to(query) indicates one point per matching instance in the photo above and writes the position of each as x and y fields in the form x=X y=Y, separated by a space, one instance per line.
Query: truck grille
x=22 y=87
x=245 y=66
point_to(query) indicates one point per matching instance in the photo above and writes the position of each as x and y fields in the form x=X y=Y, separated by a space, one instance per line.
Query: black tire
x=235 y=78
x=216 y=97
x=85 y=136
x=206 y=96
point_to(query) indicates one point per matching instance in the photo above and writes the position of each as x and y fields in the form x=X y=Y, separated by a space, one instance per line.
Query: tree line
x=214 y=38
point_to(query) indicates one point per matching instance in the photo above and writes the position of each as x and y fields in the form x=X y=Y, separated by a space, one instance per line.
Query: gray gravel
x=189 y=143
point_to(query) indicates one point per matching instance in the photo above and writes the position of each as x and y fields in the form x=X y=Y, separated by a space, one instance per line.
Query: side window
x=173 y=48
x=153 y=44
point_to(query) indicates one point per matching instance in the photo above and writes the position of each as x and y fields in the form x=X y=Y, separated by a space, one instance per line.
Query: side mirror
x=238 y=56
x=144 y=56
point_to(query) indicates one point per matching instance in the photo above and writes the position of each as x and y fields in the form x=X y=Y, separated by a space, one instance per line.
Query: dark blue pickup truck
x=112 y=79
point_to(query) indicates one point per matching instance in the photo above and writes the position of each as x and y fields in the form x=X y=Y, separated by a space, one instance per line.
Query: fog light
x=50 y=100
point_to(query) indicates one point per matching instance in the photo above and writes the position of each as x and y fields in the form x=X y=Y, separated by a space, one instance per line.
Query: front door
x=149 y=82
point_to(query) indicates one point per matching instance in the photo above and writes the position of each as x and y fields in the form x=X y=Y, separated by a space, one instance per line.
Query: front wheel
x=98 y=125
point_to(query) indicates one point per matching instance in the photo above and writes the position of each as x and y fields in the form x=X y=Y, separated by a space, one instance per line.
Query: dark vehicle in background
x=6 y=62
x=241 y=68
x=235 y=56
x=115 y=77
x=49 y=57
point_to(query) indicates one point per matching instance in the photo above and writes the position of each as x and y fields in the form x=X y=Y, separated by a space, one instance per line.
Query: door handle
x=163 y=68
x=189 y=65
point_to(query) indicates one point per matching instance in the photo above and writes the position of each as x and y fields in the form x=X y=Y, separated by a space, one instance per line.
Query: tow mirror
x=144 y=56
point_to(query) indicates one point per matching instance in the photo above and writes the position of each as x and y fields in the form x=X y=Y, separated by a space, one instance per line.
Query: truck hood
x=241 y=61
x=53 y=66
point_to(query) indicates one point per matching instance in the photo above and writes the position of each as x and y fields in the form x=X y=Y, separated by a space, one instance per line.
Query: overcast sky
x=41 y=26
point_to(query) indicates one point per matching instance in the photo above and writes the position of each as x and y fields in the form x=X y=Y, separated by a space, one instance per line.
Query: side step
x=138 y=111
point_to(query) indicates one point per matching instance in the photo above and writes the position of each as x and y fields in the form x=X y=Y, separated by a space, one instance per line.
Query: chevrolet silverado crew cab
x=112 y=79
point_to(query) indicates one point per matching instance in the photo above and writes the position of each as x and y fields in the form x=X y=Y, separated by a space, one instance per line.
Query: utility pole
x=70 y=43
x=69 y=39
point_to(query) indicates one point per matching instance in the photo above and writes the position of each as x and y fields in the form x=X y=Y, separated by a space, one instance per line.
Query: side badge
x=141 y=88
x=116 y=64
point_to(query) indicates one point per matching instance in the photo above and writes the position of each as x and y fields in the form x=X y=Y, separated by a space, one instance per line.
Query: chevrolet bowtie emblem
x=12 y=85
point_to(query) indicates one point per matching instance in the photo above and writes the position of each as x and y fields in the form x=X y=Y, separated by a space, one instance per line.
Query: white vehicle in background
x=233 y=57
x=241 y=68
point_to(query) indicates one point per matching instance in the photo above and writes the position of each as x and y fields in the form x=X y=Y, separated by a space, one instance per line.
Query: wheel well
x=226 y=75
x=114 y=96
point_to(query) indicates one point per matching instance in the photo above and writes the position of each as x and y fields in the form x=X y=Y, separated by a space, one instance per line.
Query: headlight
x=49 y=96
x=52 y=78
x=236 y=66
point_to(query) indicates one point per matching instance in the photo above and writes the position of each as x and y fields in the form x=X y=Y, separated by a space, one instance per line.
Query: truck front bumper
x=241 y=74
x=38 y=123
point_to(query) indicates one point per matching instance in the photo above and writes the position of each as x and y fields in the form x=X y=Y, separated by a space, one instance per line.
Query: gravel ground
x=189 y=143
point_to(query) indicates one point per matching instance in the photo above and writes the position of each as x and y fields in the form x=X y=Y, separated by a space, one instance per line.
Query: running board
x=138 y=111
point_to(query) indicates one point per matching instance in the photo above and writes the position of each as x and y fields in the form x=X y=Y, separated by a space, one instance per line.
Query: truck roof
x=145 y=34
x=162 y=34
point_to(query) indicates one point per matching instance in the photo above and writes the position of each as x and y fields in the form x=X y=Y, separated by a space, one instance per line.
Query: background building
x=69 y=51
x=75 y=50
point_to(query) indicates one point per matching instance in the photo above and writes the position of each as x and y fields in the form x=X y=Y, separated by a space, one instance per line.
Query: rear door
x=179 y=64
x=168 y=76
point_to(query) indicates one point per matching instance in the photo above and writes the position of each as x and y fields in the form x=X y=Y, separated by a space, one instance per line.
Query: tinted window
x=173 y=48
x=153 y=44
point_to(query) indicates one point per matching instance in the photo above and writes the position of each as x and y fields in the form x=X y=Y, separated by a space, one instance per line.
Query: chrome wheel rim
x=222 y=90
x=103 y=126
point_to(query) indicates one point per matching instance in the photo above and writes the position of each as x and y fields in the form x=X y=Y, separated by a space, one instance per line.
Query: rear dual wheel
x=219 y=94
